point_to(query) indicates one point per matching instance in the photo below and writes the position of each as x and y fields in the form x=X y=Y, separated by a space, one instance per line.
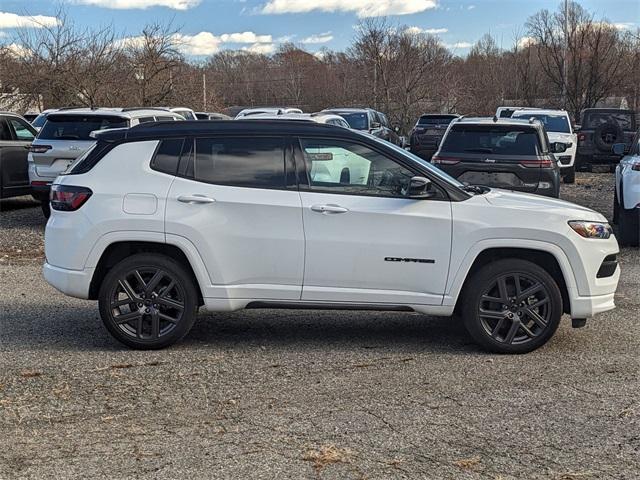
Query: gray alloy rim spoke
x=511 y=334
x=140 y=279
x=119 y=303
x=539 y=303
x=168 y=289
x=159 y=275
x=526 y=330
x=530 y=291
x=496 y=315
x=516 y=280
x=535 y=317
x=167 y=318
x=496 y=329
x=139 y=327
x=127 y=317
x=124 y=284
x=155 y=324
x=489 y=298
x=167 y=302
x=502 y=287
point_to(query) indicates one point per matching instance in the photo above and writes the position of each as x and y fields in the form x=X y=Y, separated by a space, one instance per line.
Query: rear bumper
x=74 y=283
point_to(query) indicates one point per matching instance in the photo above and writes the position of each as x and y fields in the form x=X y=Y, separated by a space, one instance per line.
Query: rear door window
x=22 y=130
x=5 y=131
x=242 y=162
x=492 y=139
x=78 y=127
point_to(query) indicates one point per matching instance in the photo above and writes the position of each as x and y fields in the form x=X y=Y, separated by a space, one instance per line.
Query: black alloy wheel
x=148 y=301
x=511 y=306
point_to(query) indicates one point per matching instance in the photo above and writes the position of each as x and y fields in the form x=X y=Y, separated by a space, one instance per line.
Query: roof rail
x=133 y=109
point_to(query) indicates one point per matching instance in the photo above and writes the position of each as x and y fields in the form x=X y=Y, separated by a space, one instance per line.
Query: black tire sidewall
x=155 y=261
x=486 y=275
x=46 y=209
x=597 y=136
x=629 y=227
x=570 y=175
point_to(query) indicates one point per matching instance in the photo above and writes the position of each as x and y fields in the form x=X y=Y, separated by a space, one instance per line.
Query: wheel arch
x=540 y=257
x=119 y=250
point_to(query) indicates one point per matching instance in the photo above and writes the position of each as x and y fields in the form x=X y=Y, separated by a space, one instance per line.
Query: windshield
x=495 y=139
x=78 y=127
x=595 y=119
x=435 y=119
x=552 y=123
x=38 y=122
x=358 y=121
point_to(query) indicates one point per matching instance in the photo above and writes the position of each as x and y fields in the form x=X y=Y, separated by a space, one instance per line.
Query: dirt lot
x=294 y=394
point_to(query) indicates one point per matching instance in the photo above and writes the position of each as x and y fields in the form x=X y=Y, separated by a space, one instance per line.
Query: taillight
x=68 y=198
x=635 y=166
x=439 y=160
x=582 y=137
x=39 y=183
x=537 y=163
x=40 y=148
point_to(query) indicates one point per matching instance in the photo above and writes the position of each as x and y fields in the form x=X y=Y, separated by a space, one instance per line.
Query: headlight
x=591 y=229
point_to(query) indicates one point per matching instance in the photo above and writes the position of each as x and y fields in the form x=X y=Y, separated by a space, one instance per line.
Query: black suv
x=426 y=135
x=503 y=153
x=600 y=129
x=368 y=120
x=16 y=135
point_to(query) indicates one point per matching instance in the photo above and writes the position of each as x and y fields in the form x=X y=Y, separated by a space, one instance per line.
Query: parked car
x=293 y=214
x=626 y=200
x=186 y=113
x=30 y=116
x=425 y=137
x=66 y=135
x=320 y=117
x=269 y=110
x=557 y=124
x=38 y=122
x=211 y=116
x=368 y=120
x=506 y=112
x=600 y=129
x=16 y=135
x=505 y=153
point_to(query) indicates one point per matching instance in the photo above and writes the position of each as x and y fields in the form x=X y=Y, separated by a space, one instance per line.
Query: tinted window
x=186 y=114
x=168 y=155
x=498 y=140
x=78 y=127
x=595 y=119
x=39 y=120
x=165 y=119
x=435 y=119
x=22 y=129
x=146 y=119
x=359 y=121
x=552 y=123
x=5 y=131
x=339 y=166
x=243 y=162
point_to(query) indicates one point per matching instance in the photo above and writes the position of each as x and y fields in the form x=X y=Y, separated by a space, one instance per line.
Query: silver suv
x=66 y=135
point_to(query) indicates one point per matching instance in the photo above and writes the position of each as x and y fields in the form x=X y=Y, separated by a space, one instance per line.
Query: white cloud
x=525 y=42
x=16 y=50
x=262 y=48
x=319 y=38
x=362 y=8
x=459 y=45
x=430 y=31
x=245 y=37
x=624 y=25
x=471 y=7
x=203 y=43
x=12 y=20
x=140 y=4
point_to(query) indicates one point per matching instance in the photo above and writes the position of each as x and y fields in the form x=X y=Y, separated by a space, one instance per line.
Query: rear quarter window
x=167 y=156
x=492 y=139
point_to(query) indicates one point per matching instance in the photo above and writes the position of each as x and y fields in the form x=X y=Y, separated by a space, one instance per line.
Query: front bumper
x=586 y=307
x=74 y=283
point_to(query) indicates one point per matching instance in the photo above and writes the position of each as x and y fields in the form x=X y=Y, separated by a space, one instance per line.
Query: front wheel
x=148 y=301
x=511 y=306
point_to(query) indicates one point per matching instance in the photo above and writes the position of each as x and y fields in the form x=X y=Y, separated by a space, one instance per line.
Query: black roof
x=167 y=129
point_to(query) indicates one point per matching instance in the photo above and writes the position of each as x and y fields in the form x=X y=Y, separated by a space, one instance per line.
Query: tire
x=616 y=208
x=629 y=227
x=610 y=131
x=570 y=175
x=46 y=208
x=583 y=164
x=164 y=306
x=503 y=326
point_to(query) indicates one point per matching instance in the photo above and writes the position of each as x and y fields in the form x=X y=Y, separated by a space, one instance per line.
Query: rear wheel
x=46 y=208
x=148 y=301
x=570 y=175
x=511 y=306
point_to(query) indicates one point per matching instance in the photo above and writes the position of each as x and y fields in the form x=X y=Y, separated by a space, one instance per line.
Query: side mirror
x=558 y=147
x=618 y=148
x=375 y=125
x=420 y=187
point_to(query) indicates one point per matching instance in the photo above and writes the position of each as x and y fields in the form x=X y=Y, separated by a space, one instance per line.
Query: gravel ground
x=291 y=394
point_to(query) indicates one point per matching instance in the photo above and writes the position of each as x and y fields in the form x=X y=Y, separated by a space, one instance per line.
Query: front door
x=15 y=138
x=366 y=242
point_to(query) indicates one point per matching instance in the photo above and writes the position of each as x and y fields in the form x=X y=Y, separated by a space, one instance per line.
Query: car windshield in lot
x=494 y=139
x=552 y=123
x=358 y=121
x=435 y=119
x=78 y=127
x=595 y=119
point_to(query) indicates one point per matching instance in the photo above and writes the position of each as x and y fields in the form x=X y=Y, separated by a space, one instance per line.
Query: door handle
x=195 y=198
x=329 y=209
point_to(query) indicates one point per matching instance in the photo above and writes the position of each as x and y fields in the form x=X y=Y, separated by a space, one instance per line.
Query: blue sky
x=261 y=25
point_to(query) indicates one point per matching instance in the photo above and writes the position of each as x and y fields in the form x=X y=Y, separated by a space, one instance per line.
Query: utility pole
x=204 y=91
x=565 y=61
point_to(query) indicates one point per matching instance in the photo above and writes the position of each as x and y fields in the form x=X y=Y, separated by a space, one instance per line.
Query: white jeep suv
x=557 y=124
x=163 y=219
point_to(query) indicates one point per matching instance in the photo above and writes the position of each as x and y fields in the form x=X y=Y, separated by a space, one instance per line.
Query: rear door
x=236 y=199
x=501 y=156
x=68 y=137
x=16 y=136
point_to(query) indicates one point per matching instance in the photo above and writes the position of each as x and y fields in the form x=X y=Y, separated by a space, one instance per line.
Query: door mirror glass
x=420 y=187
x=558 y=147
x=618 y=148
